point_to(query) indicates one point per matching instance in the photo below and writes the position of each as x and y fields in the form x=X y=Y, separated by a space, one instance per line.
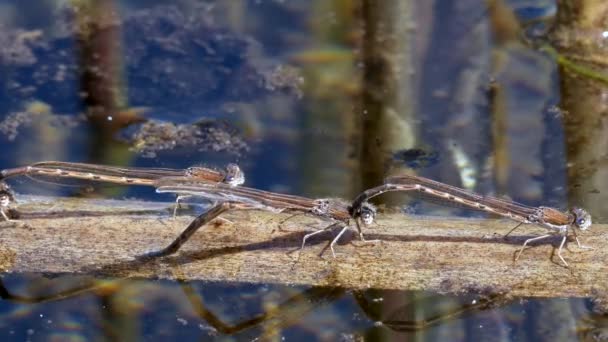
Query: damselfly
x=243 y=198
x=124 y=175
x=555 y=221
x=232 y=176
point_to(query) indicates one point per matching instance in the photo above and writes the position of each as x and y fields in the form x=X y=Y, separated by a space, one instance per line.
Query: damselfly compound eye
x=234 y=175
x=582 y=219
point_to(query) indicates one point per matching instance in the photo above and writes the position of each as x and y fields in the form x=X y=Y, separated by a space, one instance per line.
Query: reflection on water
x=81 y=307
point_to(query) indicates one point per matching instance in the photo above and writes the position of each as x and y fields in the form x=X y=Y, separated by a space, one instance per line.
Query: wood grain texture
x=103 y=238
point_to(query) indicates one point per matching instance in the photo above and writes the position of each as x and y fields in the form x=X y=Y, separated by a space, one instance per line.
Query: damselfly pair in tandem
x=223 y=188
x=220 y=187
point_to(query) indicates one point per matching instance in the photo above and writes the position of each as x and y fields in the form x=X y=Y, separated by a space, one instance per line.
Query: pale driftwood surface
x=445 y=255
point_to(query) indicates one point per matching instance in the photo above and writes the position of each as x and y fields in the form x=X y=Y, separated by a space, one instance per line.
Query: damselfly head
x=234 y=175
x=582 y=219
x=6 y=195
x=367 y=213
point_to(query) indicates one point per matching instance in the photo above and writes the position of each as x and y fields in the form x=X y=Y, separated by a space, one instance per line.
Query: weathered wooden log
x=446 y=255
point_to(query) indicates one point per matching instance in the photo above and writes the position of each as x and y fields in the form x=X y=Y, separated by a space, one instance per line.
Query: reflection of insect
x=555 y=221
